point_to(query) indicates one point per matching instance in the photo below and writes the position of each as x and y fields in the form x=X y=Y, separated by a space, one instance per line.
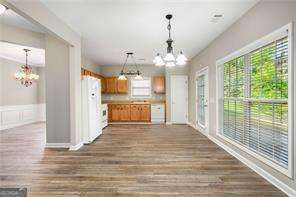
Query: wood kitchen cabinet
x=145 y=114
x=159 y=84
x=129 y=112
x=122 y=86
x=135 y=112
x=125 y=112
x=115 y=112
x=111 y=84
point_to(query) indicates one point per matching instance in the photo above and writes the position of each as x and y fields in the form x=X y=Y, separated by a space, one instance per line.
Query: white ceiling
x=9 y=17
x=14 y=52
x=110 y=28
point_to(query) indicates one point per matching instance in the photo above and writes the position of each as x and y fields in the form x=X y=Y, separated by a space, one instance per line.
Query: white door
x=179 y=99
x=202 y=98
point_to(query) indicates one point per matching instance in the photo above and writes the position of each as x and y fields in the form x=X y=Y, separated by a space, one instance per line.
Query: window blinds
x=141 y=88
x=255 y=101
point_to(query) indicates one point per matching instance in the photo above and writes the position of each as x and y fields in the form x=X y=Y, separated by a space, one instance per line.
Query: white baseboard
x=168 y=123
x=76 y=147
x=270 y=178
x=18 y=115
x=57 y=145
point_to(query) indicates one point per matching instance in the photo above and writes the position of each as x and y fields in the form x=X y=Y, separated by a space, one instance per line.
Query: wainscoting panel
x=17 y=115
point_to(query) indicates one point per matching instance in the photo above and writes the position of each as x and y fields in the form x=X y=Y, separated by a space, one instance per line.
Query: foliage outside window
x=255 y=101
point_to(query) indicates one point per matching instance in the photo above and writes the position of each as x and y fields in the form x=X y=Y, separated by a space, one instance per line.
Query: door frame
x=204 y=129
x=171 y=100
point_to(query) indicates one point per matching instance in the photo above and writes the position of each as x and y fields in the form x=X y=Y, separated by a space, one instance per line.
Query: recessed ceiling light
x=2 y=9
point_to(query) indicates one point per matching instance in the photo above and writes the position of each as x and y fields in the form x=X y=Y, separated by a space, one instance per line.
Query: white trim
x=57 y=145
x=277 y=34
x=257 y=44
x=168 y=123
x=76 y=147
x=267 y=176
x=273 y=180
x=203 y=71
x=17 y=115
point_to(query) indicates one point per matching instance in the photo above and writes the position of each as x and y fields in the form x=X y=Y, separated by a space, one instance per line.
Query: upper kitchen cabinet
x=111 y=84
x=122 y=86
x=159 y=84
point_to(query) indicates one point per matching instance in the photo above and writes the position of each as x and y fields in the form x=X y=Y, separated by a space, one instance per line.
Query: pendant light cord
x=125 y=62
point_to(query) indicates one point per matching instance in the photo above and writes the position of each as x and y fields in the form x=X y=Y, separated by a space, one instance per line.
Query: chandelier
x=123 y=73
x=169 y=60
x=26 y=75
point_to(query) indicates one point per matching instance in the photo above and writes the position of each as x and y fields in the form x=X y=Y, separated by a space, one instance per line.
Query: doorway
x=202 y=98
x=179 y=99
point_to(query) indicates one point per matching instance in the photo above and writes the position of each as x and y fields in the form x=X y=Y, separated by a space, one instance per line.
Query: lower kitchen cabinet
x=125 y=113
x=129 y=112
x=145 y=113
x=135 y=112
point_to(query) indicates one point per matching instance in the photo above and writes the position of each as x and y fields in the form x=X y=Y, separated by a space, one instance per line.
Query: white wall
x=264 y=18
x=12 y=92
x=90 y=65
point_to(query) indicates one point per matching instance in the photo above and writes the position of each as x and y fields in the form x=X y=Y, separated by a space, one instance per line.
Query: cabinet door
x=122 y=86
x=159 y=84
x=103 y=85
x=115 y=113
x=110 y=106
x=145 y=113
x=111 y=84
x=125 y=112
x=135 y=112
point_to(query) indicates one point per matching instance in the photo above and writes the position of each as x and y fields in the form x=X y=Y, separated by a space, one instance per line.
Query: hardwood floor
x=127 y=160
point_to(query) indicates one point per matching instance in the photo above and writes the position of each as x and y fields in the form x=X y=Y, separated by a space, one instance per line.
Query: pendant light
x=26 y=75
x=169 y=60
x=136 y=73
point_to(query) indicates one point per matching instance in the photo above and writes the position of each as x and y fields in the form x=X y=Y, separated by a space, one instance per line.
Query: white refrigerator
x=91 y=109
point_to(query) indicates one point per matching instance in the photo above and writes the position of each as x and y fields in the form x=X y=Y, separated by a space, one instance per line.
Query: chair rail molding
x=17 y=115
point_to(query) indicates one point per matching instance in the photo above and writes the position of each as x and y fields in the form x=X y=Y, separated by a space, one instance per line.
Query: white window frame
x=150 y=88
x=280 y=33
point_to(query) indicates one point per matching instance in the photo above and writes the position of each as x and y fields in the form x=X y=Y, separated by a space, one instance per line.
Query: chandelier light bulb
x=180 y=62
x=157 y=59
x=122 y=77
x=181 y=57
x=138 y=77
x=2 y=9
x=169 y=57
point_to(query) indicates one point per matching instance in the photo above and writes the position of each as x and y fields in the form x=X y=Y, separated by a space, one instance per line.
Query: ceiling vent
x=216 y=18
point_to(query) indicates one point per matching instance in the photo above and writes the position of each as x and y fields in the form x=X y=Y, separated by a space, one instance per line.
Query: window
x=141 y=88
x=253 y=101
x=201 y=100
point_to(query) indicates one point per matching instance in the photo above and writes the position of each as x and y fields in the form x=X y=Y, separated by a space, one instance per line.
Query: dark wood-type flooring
x=127 y=160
